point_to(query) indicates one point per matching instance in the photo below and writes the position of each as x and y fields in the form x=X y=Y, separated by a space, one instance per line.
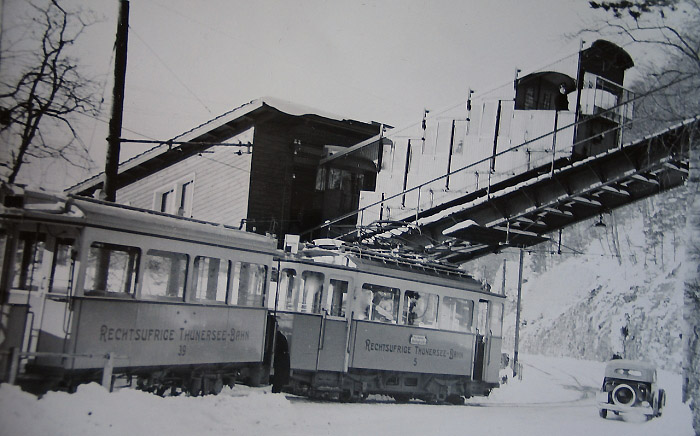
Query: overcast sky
x=385 y=61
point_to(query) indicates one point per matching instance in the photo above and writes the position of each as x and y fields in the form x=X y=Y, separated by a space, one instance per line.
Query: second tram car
x=353 y=323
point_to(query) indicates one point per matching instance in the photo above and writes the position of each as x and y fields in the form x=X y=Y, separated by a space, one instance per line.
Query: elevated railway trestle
x=525 y=167
x=522 y=210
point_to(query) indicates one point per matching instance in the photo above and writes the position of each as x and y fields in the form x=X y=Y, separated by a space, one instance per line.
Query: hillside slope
x=613 y=289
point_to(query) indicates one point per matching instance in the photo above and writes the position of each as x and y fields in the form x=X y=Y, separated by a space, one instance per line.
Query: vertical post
x=380 y=148
x=495 y=136
x=14 y=366
x=418 y=205
x=407 y=167
x=107 y=372
x=381 y=209
x=517 y=314
x=554 y=140
x=115 y=122
x=579 y=88
x=503 y=285
x=449 y=156
x=424 y=126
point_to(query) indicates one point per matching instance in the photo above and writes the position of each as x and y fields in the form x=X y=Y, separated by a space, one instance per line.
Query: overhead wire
x=477 y=94
x=287 y=60
x=170 y=70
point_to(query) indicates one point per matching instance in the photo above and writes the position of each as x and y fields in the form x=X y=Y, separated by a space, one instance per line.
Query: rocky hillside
x=607 y=289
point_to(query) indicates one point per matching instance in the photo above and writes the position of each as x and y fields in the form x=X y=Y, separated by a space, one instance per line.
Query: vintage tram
x=354 y=322
x=90 y=290
x=87 y=284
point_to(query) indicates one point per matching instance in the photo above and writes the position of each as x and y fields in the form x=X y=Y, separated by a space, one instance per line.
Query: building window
x=529 y=98
x=547 y=100
x=176 y=198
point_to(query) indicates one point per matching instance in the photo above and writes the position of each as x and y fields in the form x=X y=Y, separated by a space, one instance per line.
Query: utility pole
x=517 y=314
x=115 y=122
x=503 y=284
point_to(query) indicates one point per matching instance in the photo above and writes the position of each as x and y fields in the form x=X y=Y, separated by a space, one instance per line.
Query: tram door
x=334 y=328
x=482 y=340
x=318 y=326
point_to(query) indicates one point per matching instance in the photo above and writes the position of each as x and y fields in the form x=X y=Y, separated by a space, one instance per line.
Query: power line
x=246 y=170
x=169 y=142
x=170 y=70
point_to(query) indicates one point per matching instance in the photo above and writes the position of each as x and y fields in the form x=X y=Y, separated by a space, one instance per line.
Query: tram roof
x=38 y=204
x=387 y=263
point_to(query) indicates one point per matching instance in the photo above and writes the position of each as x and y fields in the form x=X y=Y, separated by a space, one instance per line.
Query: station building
x=257 y=167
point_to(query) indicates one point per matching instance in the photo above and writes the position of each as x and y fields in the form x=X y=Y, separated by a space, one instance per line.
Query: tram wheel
x=402 y=398
x=454 y=399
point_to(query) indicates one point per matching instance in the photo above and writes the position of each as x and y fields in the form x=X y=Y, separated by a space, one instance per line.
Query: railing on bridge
x=463 y=162
x=470 y=157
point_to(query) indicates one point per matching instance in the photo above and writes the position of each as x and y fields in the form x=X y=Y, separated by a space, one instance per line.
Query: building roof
x=220 y=128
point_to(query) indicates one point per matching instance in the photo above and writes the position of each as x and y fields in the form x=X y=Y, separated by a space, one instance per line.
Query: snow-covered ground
x=555 y=397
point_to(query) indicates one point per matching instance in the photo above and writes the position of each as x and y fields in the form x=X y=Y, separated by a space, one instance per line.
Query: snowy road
x=555 y=397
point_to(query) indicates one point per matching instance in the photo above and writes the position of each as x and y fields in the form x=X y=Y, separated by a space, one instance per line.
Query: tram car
x=89 y=287
x=353 y=323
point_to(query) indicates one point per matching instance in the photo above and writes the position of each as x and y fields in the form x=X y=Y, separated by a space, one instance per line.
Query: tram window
x=28 y=258
x=379 y=303
x=111 y=269
x=496 y=319
x=248 y=286
x=272 y=297
x=312 y=292
x=338 y=291
x=456 y=314
x=287 y=288
x=210 y=278
x=3 y=246
x=165 y=274
x=420 y=309
x=481 y=317
x=62 y=268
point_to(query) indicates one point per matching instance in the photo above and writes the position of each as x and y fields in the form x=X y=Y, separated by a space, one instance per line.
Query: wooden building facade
x=255 y=167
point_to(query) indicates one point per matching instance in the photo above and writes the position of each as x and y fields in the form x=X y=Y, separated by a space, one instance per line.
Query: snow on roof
x=190 y=135
x=465 y=206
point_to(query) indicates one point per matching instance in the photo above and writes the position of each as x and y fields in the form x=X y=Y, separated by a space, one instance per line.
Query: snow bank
x=555 y=396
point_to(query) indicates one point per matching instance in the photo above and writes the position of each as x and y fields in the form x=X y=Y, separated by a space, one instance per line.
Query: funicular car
x=630 y=386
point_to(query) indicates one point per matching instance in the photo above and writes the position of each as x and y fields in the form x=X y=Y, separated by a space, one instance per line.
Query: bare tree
x=670 y=85
x=42 y=89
